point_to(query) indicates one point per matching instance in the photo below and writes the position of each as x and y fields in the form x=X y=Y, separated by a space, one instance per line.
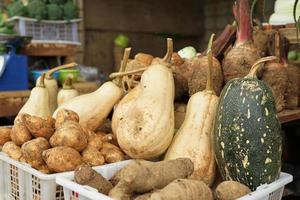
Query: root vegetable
x=12 y=150
x=85 y=175
x=293 y=88
x=92 y=156
x=4 y=135
x=180 y=110
x=159 y=174
x=70 y=134
x=229 y=190
x=44 y=169
x=38 y=126
x=61 y=159
x=112 y=155
x=64 y=115
x=181 y=189
x=110 y=146
x=32 y=151
x=242 y=56
x=20 y=134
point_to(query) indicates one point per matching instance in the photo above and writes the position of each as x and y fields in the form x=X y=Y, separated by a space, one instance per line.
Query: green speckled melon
x=247 y=132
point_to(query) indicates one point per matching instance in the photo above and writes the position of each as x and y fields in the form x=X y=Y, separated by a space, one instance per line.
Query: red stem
x=241 y=13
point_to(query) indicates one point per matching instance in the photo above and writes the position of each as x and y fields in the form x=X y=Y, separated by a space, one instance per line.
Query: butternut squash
x=38 y=102
x=51 y=85
x=93 y=108
x=194 y=138
x=67 y=92
x=146 y=127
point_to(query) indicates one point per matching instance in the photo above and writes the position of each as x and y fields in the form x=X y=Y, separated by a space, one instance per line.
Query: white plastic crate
x=19 y=181
x=74 y=191
x=47 y=31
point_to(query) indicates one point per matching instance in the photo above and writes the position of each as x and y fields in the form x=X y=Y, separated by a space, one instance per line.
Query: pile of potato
x=60 y=145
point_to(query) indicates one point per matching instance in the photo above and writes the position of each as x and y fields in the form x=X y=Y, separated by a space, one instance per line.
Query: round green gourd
x=247 y=132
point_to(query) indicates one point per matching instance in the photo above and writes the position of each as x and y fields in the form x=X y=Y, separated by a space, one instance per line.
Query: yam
x=4 y=135
x=230 y=190
x=64 y=115
x=112 y=155
x=12 y=150
x=293 y=87
x=186 y=189
x=20 y=134
x=85 y=175
x=38 y=126
x=32 y=151
x=61 y=159
x=70 y=134
x=92 y=156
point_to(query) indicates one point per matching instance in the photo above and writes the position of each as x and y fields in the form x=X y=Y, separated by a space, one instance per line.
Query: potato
x=61 y=159
x=20 y=134
x=70 y=134
x=4 y=135
x=112 y=155
x=109 y=145
x=44 y=169
x=85 y=175
x=32 y=151
x=64 y=115
x=12 y=150
x=229 y=190
x=95 y=142
x=38 y=126
x=92 y=156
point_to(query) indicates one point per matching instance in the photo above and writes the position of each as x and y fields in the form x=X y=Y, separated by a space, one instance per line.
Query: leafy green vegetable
x=187 y=52
x=57 y=1
x=70 y=10
x=37 y=9
x=16 y=8
x=55 y=11
x=121 y=41
x=292 y=55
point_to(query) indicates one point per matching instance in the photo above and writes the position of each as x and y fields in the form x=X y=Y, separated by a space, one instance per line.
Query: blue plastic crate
x=15 y=75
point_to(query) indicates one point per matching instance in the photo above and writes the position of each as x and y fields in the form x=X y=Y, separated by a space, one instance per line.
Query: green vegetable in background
x=37 y=9
x=55 y=11
x=16 y=8
x=292 y=55
x=70 y=10
x=57 y=1
x=187 y=52
x=121 y=41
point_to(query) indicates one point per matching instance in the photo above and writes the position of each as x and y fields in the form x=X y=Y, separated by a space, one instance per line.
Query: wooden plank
x=13 y=94
x=178 y=17
x=289 y=115
x=35 y=49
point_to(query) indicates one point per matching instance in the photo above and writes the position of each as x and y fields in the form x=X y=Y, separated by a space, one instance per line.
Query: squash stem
x=41 y=81
x=51 y=71
x=68 y=84
x=168 y=56
x=209 y=82
x=120 y=74
x=258 y=64
x=124 y=63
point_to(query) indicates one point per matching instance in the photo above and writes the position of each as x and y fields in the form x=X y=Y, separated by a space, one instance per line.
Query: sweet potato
x=131 y=178
x=4 y=135
x=70 y=134
x=20 y=134
x=38 y=126
x=64 y=115
x=32 y=151
x=229 y=190
x=85 y=175
x=61 y=159
x=12 y=150
x=92 y=156
x=186 y=189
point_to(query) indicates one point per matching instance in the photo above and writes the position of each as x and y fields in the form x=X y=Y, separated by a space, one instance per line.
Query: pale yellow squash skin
x=93 y=108
x=38 y=103
x=51 y=86
x=194 y=139
x=147 y=127
x=122 y=107
x=65 y=95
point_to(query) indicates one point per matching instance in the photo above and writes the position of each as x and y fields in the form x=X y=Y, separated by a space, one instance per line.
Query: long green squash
x=247 y=132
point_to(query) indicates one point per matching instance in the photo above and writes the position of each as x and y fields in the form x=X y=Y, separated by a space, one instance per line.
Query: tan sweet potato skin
x=4 y=135
x=12 y=150
x=38 y=126
x=92 y=156
x=70 y=134
x=65 y=115
x=85 y=175
x=32 y=151
x=20 y=134
x=61 y=159
x=230 y=190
